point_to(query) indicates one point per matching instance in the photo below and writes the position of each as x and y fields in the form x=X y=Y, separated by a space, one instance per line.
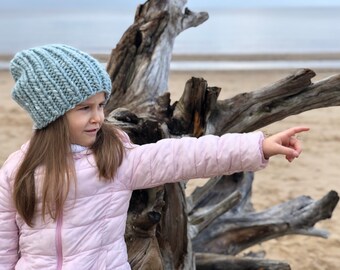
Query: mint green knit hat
x=53 y=79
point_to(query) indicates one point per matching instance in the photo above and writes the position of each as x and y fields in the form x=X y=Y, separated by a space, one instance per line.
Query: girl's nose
x=97 y=116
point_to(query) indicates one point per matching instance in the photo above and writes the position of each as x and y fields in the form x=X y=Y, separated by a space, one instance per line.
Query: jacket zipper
x=58 y=241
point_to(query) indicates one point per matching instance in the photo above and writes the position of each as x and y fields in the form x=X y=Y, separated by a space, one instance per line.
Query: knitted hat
x=52 y=79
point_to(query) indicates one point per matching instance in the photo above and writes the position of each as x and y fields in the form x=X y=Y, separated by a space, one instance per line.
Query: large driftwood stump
x=166 y=229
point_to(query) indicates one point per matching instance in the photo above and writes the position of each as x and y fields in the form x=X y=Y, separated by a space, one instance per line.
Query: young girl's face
x=86 y=119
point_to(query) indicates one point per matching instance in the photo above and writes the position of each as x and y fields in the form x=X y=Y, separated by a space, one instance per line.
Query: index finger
x=292 y=131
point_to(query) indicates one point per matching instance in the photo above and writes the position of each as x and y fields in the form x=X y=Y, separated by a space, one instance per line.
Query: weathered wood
x=159 y=232
x=207 y=261
x=145 y=212
x=139 y=69
x=222 y=187
x=200 y=193
x=139 y=65
x=203 y=217
x=236 y=231
x=191 y=112
x=289 y=96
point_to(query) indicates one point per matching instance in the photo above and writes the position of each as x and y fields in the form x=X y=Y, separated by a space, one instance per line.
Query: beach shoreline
x=229 y=57
x=313 y=174
x=325 y=62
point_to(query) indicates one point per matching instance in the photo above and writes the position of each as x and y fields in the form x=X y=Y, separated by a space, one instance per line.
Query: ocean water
x=295 y=30
x=284 y=30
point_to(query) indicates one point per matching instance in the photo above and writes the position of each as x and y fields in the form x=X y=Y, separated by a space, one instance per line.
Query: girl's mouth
x=91 y=131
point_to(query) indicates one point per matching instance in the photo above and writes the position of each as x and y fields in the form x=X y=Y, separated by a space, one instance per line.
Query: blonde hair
x=50 y=149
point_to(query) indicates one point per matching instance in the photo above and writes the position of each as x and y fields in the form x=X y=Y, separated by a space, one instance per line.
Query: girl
x=64 y=195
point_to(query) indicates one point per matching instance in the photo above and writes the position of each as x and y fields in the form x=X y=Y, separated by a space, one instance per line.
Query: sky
x=128 y=4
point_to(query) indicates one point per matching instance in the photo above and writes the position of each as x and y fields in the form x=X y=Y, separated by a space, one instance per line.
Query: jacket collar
x=79 y=151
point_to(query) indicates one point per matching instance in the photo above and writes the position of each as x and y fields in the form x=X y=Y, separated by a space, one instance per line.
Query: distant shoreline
x=229 y=57
x=235 y=62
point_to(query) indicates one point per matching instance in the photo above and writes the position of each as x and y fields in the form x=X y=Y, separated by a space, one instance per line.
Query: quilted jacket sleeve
x=172 y=160
x=8 y=227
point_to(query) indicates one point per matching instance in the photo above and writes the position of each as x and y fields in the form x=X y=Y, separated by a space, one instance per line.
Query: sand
x=314 y=173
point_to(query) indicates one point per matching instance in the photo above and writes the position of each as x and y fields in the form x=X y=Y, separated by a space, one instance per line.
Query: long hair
x=50 y=150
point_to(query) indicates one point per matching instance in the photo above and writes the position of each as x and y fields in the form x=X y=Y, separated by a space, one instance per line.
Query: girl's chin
x=83 y=143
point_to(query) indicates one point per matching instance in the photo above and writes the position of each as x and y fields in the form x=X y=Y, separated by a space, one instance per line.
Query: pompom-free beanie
x=53 y=79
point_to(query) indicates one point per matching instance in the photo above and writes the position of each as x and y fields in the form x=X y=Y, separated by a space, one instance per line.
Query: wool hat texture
x=52 y=79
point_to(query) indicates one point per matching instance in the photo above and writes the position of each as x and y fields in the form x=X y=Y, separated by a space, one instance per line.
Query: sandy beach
x=314 y=174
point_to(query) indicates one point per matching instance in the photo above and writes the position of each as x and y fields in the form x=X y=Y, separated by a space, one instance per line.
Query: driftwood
x=165 y=229
x=207 y=261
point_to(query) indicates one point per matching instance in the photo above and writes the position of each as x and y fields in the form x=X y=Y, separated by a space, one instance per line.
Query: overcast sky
x=131 y=4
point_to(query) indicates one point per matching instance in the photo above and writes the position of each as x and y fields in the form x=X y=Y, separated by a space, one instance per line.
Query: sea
x=230 y=30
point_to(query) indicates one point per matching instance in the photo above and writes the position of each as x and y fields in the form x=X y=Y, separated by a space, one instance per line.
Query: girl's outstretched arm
x=284 y=143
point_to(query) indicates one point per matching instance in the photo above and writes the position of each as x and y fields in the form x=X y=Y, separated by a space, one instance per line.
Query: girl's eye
x=84 y=108
x=101 y=105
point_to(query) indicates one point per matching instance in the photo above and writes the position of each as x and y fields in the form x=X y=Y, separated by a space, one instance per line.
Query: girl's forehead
x=97 y=98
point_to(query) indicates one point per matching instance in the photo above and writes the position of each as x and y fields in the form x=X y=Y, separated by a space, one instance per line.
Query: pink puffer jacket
x=90 y=235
